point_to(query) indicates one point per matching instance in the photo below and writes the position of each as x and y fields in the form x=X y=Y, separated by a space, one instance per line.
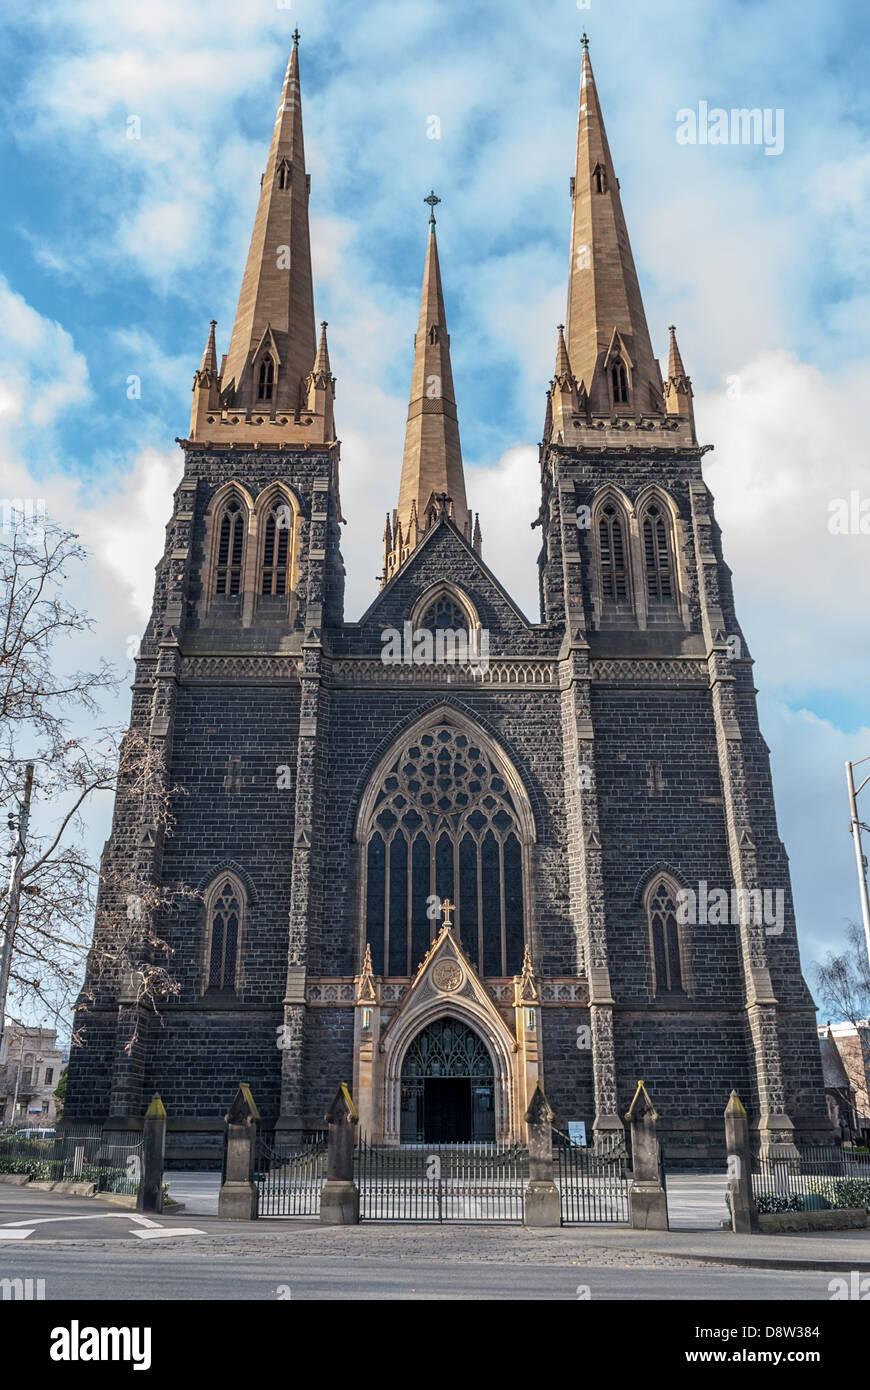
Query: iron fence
x=593 y=1186
x=80 y=1153
x=289 y=1175
x=820 y=1176
x=467 y=1183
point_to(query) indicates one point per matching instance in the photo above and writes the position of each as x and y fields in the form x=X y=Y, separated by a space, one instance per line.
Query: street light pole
x=856 y=827
x=13 y=896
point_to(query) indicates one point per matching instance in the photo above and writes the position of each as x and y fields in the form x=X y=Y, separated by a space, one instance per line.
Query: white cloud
x=791 y=443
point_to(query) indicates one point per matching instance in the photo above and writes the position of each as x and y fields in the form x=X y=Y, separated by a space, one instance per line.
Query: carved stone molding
x=672 y=671
x=372 y=672
x=240 y=668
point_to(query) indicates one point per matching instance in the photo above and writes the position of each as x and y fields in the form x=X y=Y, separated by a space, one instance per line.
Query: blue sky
x=115 y=253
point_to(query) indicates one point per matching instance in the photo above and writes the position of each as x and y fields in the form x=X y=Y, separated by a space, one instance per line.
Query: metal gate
x=592 y=1186
x=442 y=1182
x=289 y=1176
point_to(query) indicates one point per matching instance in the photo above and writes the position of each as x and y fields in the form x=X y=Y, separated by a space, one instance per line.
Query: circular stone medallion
x=447 y=975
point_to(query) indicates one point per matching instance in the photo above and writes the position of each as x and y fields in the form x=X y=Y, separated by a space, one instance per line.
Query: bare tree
x=843 y=983
x=843 y=979
x=44 y=713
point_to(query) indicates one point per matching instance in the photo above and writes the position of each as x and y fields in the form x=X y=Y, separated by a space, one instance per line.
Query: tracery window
x=611 y=554
x=599 y=177
x=224 y=918
x=447 y=1048
x=277 y=531
x=657 y=555
x=444 y=612
x=444 y=825
x=665 y=939
x=231 y=542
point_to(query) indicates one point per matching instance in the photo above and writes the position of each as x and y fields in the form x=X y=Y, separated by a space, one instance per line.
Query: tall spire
x=275 y=315
x=678 y=387
x=432 y=462
x=564 y=401
x=208 y=365
x=606 y=320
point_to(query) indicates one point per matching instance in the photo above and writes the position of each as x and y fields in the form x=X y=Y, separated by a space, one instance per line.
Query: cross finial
x=446 y=908
x=296 y=38
x=433 y=201
x=585 y=42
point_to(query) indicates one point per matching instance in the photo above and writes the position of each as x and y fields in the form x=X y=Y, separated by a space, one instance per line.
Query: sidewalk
x=583 y=1245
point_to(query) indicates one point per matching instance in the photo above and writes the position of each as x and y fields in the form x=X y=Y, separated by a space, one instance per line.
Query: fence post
x=744 y=1212
x=647 y=1200
x=339 y=1196
x=238 y=1195
x=150 y=1195
x=542 y=1205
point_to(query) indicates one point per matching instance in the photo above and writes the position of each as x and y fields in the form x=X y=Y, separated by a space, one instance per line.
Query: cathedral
x=443 y=852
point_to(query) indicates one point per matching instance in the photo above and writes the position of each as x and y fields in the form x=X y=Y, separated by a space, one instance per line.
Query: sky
x=115 y=252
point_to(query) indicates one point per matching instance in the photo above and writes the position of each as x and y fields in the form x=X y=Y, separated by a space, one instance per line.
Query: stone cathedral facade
x=488 y=857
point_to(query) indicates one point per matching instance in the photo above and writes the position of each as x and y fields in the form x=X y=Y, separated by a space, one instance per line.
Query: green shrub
x=769 y=1203
x=845 y=1192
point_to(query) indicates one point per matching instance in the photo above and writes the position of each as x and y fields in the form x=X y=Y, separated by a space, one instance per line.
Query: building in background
x=30 y=1067
x=852 y=1044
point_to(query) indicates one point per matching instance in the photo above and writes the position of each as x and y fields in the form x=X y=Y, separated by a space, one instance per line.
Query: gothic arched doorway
x=448 y=1086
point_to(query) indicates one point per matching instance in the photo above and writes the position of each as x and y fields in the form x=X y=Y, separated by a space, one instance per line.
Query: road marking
x=145 y=1228
x=167 y=1231
x=99 y=1216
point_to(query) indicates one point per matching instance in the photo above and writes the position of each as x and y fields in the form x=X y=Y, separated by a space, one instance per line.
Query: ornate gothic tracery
x=443 y=823
x=224 y=917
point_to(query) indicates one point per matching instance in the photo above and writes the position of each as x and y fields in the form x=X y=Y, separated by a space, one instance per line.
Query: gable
x=444 y=554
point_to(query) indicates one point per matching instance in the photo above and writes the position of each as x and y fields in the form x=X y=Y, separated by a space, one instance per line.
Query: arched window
x=443 y=824
x=611 y=555
x=658 y=560
x=664 y=938
x=599 y=178
x=284 y=174
x=266 y=380
x=277 y=536
x=231 y=546
x=444 y=612
x=225 y=909
x=619 y=382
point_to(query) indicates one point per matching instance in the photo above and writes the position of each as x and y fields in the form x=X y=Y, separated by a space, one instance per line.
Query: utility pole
x=856 y=827
x=13 y=896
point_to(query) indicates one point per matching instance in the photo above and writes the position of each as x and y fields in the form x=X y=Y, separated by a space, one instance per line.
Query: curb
x=769 y=1262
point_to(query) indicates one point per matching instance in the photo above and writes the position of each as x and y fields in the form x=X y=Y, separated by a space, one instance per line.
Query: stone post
x=339 y=1197
x=648 y=1203
x=150 y=1196
x=744 y=1213
x=238 y=1195
x=542 y=1195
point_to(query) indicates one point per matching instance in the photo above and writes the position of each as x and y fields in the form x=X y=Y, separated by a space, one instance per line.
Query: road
x=116 y=1271
x=84 y=1248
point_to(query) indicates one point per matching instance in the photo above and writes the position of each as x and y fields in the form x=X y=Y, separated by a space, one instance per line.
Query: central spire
x=275 y=315
x=432 y=477
x=608 y=341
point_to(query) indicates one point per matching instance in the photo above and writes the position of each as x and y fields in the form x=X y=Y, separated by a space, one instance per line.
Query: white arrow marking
x=15 y=1235
x=167 y=1231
